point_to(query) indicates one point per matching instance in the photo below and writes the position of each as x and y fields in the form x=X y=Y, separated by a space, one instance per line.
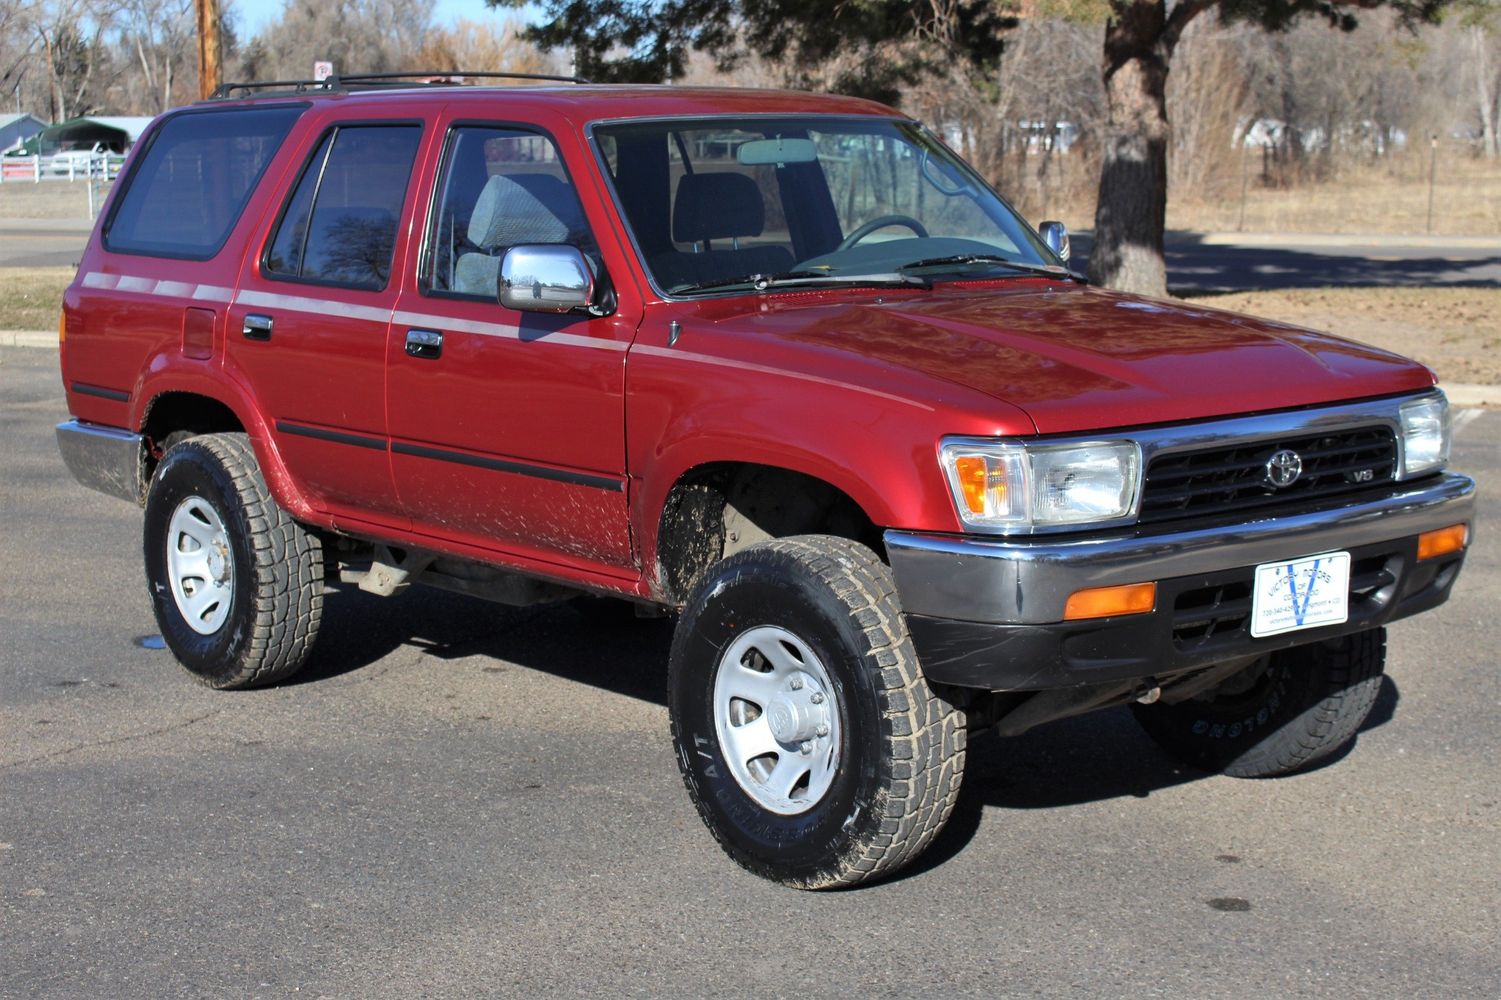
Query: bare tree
x=71 y=37
x=483 y=46
x=159 y=35
x=1481 y=33
x=355 y=35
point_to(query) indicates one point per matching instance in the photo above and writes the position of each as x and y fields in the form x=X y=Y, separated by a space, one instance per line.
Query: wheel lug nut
x=816 y=697
x=807 y=746
x=822 y=730
x=796 y=684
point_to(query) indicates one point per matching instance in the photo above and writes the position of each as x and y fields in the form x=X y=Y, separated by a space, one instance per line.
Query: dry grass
x=49 y=199
x=1391 y=198
x=1454 y=331
x=31 y=297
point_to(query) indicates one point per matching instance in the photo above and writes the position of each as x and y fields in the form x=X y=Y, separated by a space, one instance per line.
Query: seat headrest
x=717 y=207
x=506 y=213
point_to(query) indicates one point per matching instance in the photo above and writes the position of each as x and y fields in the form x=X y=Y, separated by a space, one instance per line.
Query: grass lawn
x=31 y=297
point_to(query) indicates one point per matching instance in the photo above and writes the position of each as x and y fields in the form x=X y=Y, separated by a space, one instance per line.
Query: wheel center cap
x=791 y=719
x=218 y=563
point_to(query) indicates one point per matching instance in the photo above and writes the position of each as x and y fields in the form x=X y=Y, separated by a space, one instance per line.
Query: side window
x=500 y=187
x=192 y=182
x=339 y=224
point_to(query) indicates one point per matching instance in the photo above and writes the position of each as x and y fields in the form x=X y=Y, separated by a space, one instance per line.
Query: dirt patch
x=1454 y=331
x=32 y=297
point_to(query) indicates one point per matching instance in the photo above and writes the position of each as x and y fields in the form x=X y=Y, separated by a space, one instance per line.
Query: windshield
x=715 y=203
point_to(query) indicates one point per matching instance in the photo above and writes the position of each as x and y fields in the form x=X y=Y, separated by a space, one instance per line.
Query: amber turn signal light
x=1432 y=544
x=974 y=480
x=1102 y=602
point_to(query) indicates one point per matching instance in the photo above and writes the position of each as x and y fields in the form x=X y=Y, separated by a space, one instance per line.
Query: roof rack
x=376 y=81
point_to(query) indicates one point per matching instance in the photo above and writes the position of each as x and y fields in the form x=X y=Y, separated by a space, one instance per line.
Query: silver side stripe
x=329 y=307
x=321 y=307
x=704 y=359
x=504 y=331
x=153 y=286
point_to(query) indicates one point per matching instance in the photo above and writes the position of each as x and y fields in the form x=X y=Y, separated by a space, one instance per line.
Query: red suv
x=780 y=364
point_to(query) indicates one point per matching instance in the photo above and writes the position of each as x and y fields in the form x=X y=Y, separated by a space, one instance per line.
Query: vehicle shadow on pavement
x=1197 y=267
x=599 y=643
x=1089 y=758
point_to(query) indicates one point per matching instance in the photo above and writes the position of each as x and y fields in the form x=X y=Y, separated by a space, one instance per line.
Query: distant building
x=16 y=129
x=109 y=134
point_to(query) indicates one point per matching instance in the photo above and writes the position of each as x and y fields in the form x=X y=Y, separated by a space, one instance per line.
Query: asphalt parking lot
x=459 y=799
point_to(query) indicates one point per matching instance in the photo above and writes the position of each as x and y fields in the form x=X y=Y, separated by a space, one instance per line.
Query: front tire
x=1282 y=714
x=236 y=584
x=812 y=746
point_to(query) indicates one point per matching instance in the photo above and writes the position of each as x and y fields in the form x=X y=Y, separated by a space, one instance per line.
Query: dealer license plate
x=1303 y=593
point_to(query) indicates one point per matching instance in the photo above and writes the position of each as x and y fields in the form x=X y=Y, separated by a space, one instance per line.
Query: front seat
x=710 y=207
x=505 y=214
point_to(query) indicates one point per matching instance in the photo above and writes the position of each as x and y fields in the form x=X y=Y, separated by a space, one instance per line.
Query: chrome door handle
x=426 y=344
x=257 y=326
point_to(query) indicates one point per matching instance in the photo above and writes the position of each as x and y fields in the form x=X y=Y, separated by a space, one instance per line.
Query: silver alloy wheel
x=777 y=718
x=200 y=565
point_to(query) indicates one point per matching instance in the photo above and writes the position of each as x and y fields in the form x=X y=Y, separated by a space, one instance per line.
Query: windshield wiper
x=1047 y=270
x=790 y=279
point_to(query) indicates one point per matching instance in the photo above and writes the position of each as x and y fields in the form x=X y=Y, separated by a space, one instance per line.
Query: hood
x=1079 y=359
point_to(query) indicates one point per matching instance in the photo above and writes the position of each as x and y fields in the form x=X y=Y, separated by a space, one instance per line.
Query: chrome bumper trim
x=1028 y=581
x=102 y=458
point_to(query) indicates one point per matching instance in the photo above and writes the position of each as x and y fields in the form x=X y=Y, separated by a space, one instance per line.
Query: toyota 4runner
x=780 y=364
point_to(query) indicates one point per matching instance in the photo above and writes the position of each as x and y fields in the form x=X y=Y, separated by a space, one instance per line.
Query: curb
x=28 y=338
x=1464 y=396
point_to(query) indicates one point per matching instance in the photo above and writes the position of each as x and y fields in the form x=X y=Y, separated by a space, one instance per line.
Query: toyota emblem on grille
x=1283 y=468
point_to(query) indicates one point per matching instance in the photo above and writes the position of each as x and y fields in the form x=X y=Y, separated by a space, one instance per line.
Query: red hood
x=1079 y=359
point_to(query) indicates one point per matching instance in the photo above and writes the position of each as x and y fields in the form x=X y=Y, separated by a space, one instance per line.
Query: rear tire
x=1282 y=714
x=812 y=746
x=236 y=584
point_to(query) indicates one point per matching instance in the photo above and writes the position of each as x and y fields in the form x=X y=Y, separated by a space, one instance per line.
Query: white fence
x=60 y=167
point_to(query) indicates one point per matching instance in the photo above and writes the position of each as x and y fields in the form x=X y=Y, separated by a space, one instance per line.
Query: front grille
x=1233 y=478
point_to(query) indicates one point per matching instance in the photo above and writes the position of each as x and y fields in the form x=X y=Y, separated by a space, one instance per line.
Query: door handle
x=257 y=327
x=427 y=344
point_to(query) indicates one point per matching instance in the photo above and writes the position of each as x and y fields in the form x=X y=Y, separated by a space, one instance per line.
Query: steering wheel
x=881 y=222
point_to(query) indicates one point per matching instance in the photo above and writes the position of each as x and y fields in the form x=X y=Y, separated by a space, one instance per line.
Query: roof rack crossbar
x=428 y=78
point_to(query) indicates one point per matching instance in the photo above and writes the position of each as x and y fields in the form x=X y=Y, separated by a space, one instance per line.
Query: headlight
x=1012 y=487
x=1425 y=435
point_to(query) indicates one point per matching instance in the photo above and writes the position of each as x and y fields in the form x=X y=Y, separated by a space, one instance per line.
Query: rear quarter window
x=188 y=189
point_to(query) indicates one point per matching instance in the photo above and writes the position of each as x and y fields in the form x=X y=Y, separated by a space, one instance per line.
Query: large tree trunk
x=1485 y=99
x=1132 y=210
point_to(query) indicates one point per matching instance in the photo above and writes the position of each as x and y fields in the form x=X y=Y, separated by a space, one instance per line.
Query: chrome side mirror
x=1055 y=235
x=545 y=277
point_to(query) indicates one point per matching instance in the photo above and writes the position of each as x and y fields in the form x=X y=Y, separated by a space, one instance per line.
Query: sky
x=254 y=14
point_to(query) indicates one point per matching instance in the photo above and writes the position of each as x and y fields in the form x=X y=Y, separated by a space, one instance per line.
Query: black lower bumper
x=1200 y=620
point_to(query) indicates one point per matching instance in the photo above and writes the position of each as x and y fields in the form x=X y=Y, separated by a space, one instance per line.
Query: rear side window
x=187 y=191
x=339 y=224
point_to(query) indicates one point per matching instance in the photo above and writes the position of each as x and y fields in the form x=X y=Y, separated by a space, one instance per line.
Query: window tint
x=339 y=225
x=500 y=188
x=191 y=184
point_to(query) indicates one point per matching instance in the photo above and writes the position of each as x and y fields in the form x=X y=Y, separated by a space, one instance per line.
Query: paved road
x=42 y=243
x=466 y=800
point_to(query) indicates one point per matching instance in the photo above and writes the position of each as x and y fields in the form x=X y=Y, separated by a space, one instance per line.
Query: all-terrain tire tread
x=288 y=572
x=924 y=735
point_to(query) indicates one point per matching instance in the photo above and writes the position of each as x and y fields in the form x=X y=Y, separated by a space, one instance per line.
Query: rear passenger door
x=507 y=428
x=309 y=321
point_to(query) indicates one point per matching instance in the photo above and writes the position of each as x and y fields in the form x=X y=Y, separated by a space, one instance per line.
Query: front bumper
x=988 y=613
x=102 y=458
